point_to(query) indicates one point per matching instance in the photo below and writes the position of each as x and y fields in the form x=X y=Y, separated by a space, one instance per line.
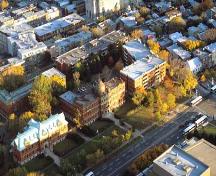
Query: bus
x=201 y=121
x=196 y=101
x=190 y=128
x=213 y=89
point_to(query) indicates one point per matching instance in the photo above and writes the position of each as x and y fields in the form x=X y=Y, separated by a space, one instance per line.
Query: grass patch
x=38 y=163
x=209 y=129
x=53 y=170
x=100 y=125
x=139 y=118
x=71 y=142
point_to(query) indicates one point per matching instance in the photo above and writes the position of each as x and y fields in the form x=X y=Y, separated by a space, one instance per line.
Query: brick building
x=85 y=105
x=14 y=102
x=38 y=137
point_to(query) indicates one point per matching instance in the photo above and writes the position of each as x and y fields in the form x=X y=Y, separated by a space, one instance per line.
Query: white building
x=195 y=65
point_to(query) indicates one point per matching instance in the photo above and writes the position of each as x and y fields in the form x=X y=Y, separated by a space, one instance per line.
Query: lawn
x=139 y=118
x=209 y=129
x=38 y=163
x=71 y=142
x=88 y=147
x=100 y=125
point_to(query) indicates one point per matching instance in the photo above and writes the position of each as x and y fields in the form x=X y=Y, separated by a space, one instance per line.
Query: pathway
x=55 y=158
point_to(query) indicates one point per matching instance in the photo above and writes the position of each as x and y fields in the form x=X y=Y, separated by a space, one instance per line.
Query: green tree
x=41 y=95
x=128 y=135
x=158 y=116
x=94 y=158
x=150 y=99
x=144 y=11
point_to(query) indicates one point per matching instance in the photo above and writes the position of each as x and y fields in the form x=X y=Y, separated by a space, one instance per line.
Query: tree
x=97 y=32
x=164 y=55
x=76 y=118
x=144 y=11
x=2 y=155
x=12 y=78
x=137 y=34
x=35 y=174
x=168 y=83
x=158 y=30
x=119 y=65
x=76 y=79
x=41 y=95
x=150 y=99
x=4 y=4
x=164 y=108
x=18 y=171
x=128 y=135
x=203 y=78
x=190 y=82
x=171 y=101
x=177 y=24
x=209 y=35
x=24 y=119
x=139 y=96
x=12 y=122
x=95 y=158
x=154 y=46
x=85 y=28
x=58 y=84
x=191 y=45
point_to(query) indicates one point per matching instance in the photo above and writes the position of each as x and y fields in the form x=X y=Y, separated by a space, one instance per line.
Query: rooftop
x=194 y=64
x=37 y=131
x=211 y=48
x=183 y=54
x=10 y=97
x=81 y=98
x=52 y=72
x=175 y=36
x=142 y=66
x=137 y=49
x=79 y=37
x=205 y=152
x=129 y=21
x=114 y=82
x=178 y=163
x=94 y=46
x=58 y=24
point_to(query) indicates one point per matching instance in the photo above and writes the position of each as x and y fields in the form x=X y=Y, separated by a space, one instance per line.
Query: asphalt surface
x=169 y=133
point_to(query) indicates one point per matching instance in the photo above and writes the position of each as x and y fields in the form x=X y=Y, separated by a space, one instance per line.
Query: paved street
x=165 y=134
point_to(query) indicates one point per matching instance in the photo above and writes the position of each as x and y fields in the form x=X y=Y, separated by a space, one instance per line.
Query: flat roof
x=205 y=152
x=137 y=49
x=177 y=162
x=211 y=48
x=55 y=25
x=140 y=67
x=179 y=51
x=52 y=72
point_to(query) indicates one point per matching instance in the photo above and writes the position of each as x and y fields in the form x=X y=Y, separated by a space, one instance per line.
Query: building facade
x=14 y=102
x=143 y=70
x=39 y=136
x=85 y=106
x=113 y=95
x=63 y=26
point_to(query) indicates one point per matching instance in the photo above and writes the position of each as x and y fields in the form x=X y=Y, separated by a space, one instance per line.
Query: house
x=195 y=65
x=175 y=36
x=179 y=52
x=37 y=137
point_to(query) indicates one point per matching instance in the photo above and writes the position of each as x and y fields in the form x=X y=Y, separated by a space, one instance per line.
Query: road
x=169 y=134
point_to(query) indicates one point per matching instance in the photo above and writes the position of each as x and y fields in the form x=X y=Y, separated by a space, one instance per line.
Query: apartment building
x=66 y=62
x=64 y=45
x=63 y=26
x=14 y=102
x=85 y=105
x=176 y=161
x=145 y=69
x=113 y=95
x=39 y=136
